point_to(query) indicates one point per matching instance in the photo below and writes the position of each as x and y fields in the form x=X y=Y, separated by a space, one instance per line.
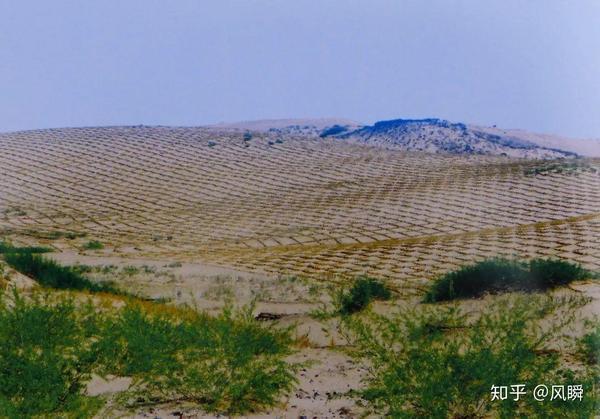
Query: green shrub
x=45 y=357
x=590 y=345
x=50 y=274
x=82 y=269
x=568 y=167
x=93 y=245
x=363 y=291
x=8 y=248
x=130 y=270
x=51 y=346
x=230 y=364
x=549 y=273
x=502 y=275
x=438 y=362
x=71 y=235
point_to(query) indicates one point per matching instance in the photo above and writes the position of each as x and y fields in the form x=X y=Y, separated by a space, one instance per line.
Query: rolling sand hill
x=292 y=205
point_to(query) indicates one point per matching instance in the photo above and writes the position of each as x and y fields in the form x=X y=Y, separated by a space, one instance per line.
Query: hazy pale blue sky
x=530 y=64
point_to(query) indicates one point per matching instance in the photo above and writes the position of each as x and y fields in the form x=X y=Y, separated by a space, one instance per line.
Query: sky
x=517 y=64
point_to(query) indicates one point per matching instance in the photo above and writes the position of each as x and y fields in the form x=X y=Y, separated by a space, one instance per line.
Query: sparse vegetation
x=50 y=274
x=569 y=167
x=363 y=291
x=105 y=269
x=83 y=269
x=148 y=269
x=55 y=234
x=71 y=235
x=439 y=362
x=174 y=265
x=93 y=245
x=222 y=292
x=130 y=270
x=501 y=275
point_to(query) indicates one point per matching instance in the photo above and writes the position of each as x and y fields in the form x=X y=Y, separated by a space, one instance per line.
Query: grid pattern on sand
x=294 y=205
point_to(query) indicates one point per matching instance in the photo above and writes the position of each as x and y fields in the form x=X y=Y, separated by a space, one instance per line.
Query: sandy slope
x=583 y=147
x=319 y=208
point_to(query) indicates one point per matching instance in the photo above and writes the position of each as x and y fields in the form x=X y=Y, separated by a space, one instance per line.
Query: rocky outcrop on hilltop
x=441 y=136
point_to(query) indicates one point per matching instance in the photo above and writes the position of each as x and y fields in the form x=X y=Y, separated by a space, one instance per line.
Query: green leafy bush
x=51 y=346
x=590 y=345
x=550 y=273
x=502 y=275
x=8 y=248
x=439 y=362
x=363 y=291
x=93 y=245
x=229 y=364
x=50 y=274
x=45 y=357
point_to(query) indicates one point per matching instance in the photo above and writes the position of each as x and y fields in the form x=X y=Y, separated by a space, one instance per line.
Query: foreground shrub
x=502 y=275
x=45 y=357
x=590 y=346
x=50 y=274
x=51 y=346
x=362 y=292
x=439 y=363
x=230 y=364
